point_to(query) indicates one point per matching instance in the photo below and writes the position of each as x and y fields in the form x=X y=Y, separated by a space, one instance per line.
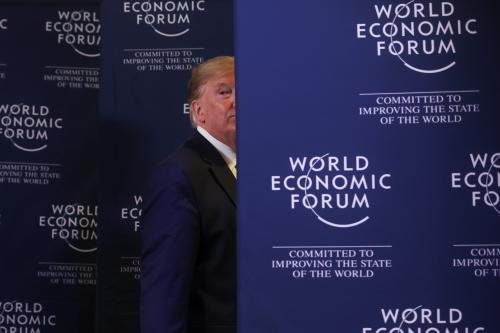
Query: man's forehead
x=217 y=81
x=222 y=79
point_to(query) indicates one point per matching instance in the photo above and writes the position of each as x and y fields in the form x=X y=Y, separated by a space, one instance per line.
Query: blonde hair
x=202 y=73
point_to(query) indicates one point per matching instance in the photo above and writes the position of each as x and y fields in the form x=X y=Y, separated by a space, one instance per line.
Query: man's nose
x=233 y=99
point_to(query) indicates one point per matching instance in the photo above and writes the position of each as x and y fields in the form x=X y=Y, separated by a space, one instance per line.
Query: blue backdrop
x=368 y=166
x=77 y=145
x=368 y=159
x=49 y=80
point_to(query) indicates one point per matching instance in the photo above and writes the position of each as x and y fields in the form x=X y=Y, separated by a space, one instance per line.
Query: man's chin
x=231 y=124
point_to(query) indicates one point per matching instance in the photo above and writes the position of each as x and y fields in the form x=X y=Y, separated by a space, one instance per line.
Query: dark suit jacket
x=188 y=263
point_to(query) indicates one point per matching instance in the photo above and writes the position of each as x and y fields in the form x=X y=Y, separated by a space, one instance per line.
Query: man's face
x=215 y=109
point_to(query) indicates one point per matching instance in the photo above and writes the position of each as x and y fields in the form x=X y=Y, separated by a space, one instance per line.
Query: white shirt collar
x=227 y=153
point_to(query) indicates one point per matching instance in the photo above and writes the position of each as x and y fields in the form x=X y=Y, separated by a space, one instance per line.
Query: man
x=188 y=273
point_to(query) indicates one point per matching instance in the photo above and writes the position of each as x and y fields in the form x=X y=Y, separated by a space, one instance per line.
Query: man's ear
x=198 y=112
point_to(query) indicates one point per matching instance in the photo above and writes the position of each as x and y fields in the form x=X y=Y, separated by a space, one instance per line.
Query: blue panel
x=368 y=166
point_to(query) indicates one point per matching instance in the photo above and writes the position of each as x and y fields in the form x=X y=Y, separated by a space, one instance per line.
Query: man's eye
x=225 y=92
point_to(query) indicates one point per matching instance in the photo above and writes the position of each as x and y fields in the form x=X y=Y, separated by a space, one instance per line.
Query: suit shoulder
x=182 y=163
x=183 y=158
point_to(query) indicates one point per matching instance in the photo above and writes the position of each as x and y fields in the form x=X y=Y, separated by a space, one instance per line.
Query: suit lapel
x=225 y=179
x=216 y=165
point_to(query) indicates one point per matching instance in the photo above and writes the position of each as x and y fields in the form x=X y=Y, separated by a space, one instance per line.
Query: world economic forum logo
x=25 y=316
x=4 y=23
x=75 y=224
x=80 y=29
x=424 y=36
x=481 y=179
x=425 y=319
x=336 y=190
x=166 y=18
x=28 y=127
